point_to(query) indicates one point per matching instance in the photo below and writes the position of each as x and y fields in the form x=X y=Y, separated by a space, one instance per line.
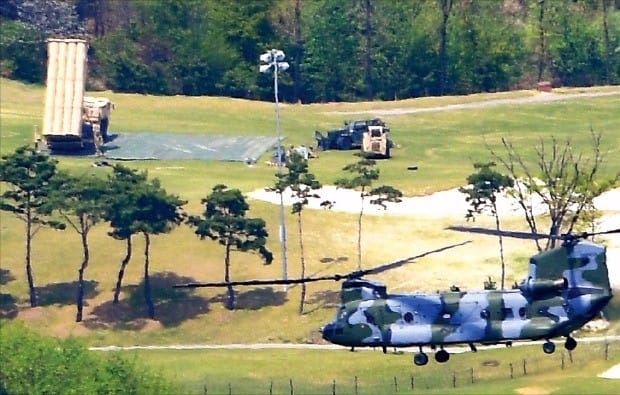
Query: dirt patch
x=32 y=313
x=534 y=390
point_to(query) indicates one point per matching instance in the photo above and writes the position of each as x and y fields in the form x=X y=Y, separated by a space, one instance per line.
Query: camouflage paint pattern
x=565 y=288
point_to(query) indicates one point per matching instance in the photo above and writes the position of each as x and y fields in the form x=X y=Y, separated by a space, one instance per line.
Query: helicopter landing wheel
x=420 y=359
x=570 y=343
x=442 y=356
x=548 y=347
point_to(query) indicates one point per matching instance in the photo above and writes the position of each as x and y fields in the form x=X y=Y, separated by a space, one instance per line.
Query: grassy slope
x=443 y=144
x=314 y=371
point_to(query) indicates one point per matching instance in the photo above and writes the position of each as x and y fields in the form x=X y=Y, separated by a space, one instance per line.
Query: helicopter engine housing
x=543 y=287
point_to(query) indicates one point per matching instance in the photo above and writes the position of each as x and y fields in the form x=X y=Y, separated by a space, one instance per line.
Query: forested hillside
x=339 y=50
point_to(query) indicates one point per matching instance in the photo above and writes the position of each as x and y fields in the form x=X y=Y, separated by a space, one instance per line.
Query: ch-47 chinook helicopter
x=565 y=288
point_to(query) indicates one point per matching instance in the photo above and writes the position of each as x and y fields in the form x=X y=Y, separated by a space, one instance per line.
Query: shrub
x=34 y=364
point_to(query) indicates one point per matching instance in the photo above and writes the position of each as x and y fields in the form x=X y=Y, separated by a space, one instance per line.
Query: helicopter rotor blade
x=257 y=282
x=604 y=232
x=528 y=235
x=403 y=261
x=494 y=232
x=333 y=277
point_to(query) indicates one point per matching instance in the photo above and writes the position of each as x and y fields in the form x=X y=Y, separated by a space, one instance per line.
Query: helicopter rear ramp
x=66 y=71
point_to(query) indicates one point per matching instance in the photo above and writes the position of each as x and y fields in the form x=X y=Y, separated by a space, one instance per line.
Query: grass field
x=443 y=144
x=317 y=372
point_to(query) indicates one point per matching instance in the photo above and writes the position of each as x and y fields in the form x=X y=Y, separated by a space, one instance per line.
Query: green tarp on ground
x=177 y=146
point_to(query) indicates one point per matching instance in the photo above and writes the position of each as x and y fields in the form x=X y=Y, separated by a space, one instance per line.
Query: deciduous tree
x=27 y=175
x=156 y=212
x=364 y=174
x=224 y=220
x=122 y=210
x=81 y=201
x=303 y=185
x=565 y=181
x=481 y=193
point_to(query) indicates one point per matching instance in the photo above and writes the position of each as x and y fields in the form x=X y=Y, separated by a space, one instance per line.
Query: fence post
x=271 y=388
x=606 y=350
x=511 y=371
x=454 y=379
x=205 y=390
x=229 y=389
x=290 y=382
x=472 y=375
x=356 y=385
x=395 y=384
x=562 y=361
x=334 y=387
x=524 y=367
x=411 y=382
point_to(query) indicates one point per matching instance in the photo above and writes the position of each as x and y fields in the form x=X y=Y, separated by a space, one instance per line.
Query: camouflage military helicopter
x=565 y=288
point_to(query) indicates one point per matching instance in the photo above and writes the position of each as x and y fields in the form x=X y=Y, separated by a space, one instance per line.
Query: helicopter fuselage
x=404 y=320
x=565 y=288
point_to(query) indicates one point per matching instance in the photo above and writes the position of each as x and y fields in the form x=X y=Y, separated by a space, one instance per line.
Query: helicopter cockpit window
x=408 y=317
x=484 y=314
x=522 y=312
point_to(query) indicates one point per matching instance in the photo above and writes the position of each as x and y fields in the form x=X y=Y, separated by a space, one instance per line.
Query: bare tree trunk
x=541 y=40
x=446 y=6
x=607 y=42
x=367 y=50
x=33 y=295
x=303 y=265
x=121 y=271
x=501 y=242
x=359 y=232
x=230 y=300
x=298 y=51
x=80 y=292
x=147 y=282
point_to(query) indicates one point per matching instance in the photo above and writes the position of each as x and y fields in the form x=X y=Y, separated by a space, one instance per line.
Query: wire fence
x=430 y=377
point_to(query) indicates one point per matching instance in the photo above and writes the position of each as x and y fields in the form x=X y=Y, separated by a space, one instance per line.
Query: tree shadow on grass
x=172 y=305
x=65 y=293
x=8 y=306
x=6 y=276
x=8 y=302
x=329 y=299
x=254 y=299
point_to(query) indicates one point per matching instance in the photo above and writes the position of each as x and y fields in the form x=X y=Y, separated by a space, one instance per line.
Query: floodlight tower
x=274 y=61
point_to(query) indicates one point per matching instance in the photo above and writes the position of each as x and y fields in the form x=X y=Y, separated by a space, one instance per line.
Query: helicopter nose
x=327 y=331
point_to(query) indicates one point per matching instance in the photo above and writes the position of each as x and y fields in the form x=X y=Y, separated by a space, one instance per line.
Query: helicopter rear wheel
x=548 y=347
x=420 y=359
x=570 y=343
x=442 y=356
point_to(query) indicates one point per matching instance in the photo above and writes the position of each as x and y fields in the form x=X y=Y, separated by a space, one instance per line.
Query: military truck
x=353 y=135
x=72 y=121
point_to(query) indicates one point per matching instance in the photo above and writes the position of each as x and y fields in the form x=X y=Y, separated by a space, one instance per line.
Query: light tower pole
x=274 y=60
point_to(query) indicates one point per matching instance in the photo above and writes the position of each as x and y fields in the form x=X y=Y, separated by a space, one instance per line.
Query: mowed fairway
x=443 y=144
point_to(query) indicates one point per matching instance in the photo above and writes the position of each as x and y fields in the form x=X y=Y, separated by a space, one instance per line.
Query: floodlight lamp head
x=265 y=68
x=279 y=55
x=283 y=66
x=266 y=58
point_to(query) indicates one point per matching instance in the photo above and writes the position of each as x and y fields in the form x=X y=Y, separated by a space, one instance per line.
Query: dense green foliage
x=34 y=364
x=338 y=50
